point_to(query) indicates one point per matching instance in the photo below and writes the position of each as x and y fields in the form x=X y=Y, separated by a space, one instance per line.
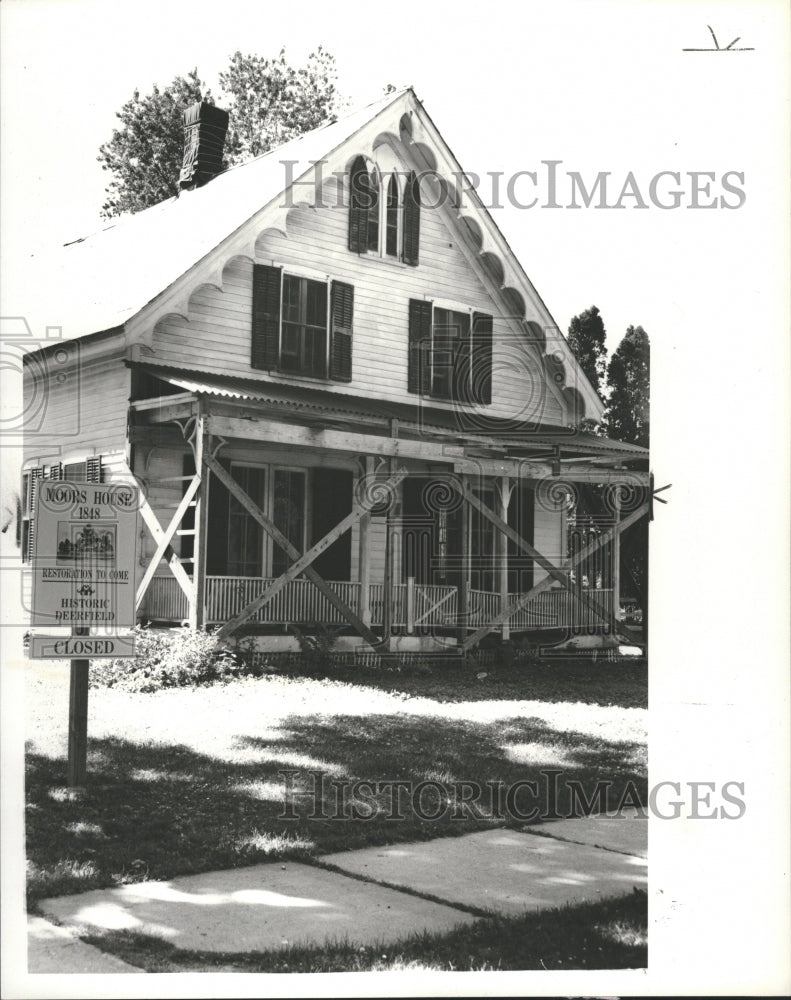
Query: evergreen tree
x=586 y=339
x=628 y=379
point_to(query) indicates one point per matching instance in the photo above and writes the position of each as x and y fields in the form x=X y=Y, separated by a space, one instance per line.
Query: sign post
x=84 y=578
x=78 y=720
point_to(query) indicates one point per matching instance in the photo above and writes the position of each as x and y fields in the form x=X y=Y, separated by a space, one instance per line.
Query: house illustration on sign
x=345 y=402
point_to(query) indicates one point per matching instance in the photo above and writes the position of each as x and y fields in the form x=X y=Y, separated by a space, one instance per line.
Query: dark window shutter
x=35 y=475
x=56 y=471
x=29 y=531
x=521 y=517
x=266 y=316
x=461 y=390
x=342 y=312
x=412 y=220
x=217 y=535
x=359 y=204
x=481 y=382
x=332 y=501
x=93 y=470
x=419 y=368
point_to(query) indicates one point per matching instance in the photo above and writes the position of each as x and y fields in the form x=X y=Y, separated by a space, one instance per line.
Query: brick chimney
x=204 y=135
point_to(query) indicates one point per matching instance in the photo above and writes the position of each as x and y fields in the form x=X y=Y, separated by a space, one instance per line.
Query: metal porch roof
x=412 y=417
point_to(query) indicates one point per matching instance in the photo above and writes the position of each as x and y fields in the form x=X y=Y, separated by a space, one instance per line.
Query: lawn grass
x=611 y=934
x=593 y=682
x=189 y=780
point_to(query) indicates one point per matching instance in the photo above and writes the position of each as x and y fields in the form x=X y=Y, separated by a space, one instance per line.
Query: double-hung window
x=301 y=325
x=303 y=333
x=450 y=353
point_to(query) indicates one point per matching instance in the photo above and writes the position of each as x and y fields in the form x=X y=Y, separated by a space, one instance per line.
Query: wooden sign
x=94 y=647
x=84 y=554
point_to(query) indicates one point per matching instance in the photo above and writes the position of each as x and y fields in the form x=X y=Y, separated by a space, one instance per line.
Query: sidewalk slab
x=501 y=870
x=263 y=907
x=627 y=832
x=56 y=950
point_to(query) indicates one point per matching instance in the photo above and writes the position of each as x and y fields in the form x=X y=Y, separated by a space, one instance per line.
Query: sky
x=599 y=87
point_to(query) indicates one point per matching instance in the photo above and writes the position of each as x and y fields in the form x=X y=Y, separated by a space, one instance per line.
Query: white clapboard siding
x=78 y=411
x=218 y=330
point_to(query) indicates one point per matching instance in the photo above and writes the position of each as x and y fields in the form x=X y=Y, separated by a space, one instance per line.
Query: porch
x=370 y=522
x=416 y=607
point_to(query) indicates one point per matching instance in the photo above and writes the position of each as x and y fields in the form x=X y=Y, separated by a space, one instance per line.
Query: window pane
x=245 y=535
x=288 y=515
x=373 y=213
x=317 y=303
x=303 y=345
x=291 y=298
x=391 y=246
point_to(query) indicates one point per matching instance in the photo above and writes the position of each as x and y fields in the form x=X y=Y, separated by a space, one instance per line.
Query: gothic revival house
x=344 y=399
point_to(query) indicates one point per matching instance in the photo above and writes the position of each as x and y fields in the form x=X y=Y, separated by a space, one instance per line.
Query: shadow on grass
x=153 y=811
x=623 y=684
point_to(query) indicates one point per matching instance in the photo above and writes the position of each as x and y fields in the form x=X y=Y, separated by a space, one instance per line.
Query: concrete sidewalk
x=369 y=896
x=57 y=950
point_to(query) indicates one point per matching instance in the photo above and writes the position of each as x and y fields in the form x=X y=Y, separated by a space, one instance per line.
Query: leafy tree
x=628 y=378
x=586 y=339
x=145 y=154
x=269 y=102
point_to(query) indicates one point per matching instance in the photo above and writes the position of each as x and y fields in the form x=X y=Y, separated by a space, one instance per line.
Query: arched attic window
x=374 y=188
x=411 y=238
x=363 y=208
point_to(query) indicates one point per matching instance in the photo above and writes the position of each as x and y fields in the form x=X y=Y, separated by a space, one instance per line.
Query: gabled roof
x=139 y=268
x=100 y=281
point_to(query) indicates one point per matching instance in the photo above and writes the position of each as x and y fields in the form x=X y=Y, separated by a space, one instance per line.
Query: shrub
x=168 y=658
x=316 y=648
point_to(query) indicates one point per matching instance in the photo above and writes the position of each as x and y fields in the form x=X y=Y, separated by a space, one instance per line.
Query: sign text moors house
x=84 y=555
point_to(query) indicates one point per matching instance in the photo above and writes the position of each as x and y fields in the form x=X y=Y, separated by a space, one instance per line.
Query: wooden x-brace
x=163 y=539
x=555 y=572
x=302 y=563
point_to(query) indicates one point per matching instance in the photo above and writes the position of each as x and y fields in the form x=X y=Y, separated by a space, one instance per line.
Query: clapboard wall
x=217 y=335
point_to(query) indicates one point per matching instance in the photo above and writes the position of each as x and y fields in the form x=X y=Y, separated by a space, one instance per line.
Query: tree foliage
x=145 y=153
x=586 y=339
x=269 y=101
x=628 y=379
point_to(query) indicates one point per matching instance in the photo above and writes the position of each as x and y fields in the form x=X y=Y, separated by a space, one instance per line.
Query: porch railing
x=415 y=606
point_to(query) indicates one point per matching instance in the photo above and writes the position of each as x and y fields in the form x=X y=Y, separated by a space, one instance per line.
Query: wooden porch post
x=364 y=556
x=615 y=553
x=198 y=603
x=389 y=567
x=504 y=489
x=464 y=584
